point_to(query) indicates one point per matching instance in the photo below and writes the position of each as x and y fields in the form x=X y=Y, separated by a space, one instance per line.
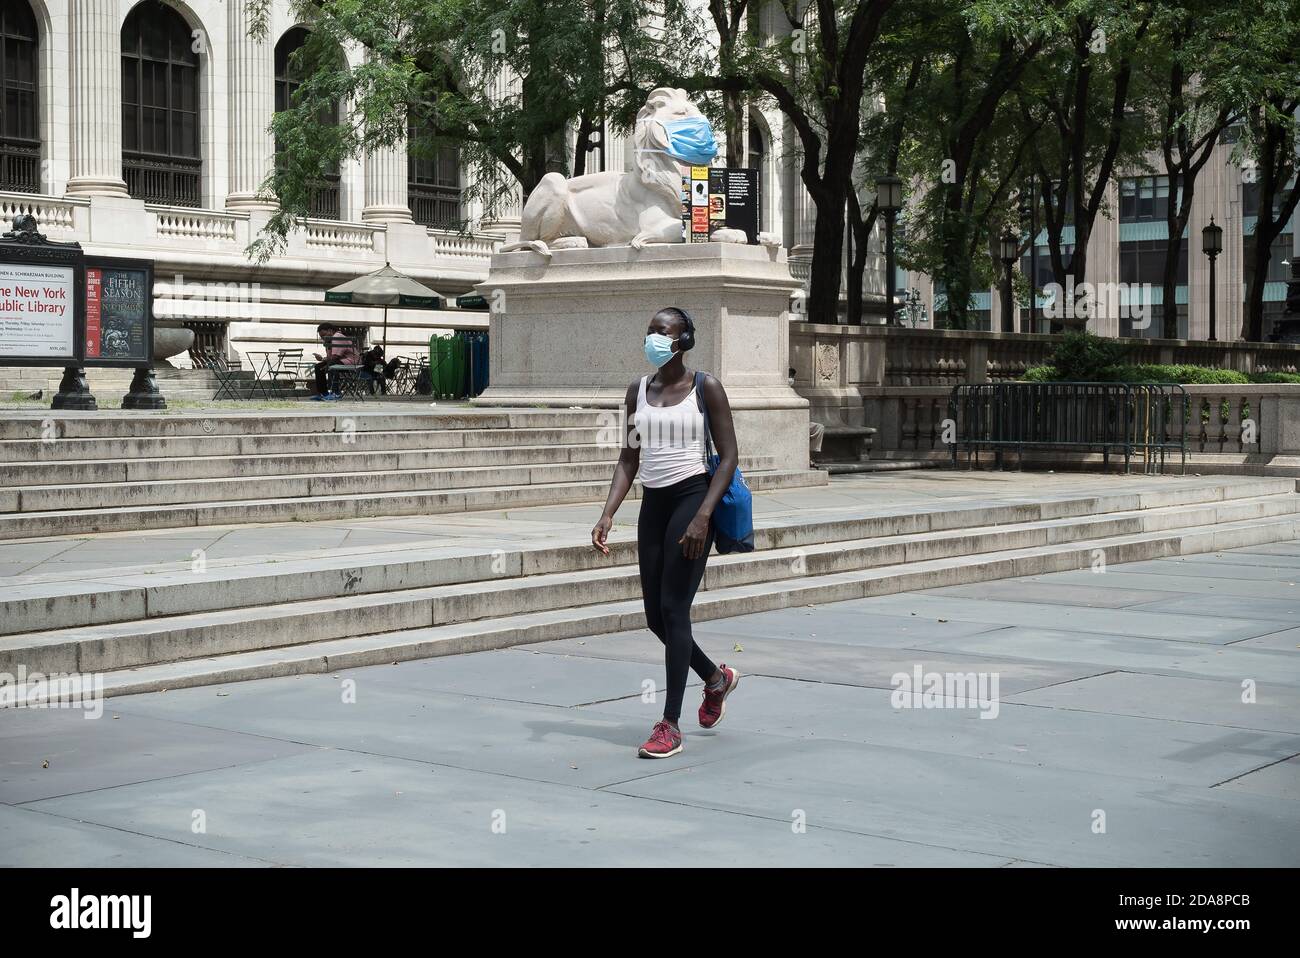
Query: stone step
x=319 y=463
x=487 y=585
x=176 y=589
x=303 y=507
x=318 y=656
x=508 y=471
x=314 y=418
x=31 y=452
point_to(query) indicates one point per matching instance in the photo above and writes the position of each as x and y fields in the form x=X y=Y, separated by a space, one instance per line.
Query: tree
x=1080 y=92
x=1192 y=47
x=433 y=70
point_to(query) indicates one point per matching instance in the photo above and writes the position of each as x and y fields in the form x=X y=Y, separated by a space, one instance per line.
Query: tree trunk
x=828 y=249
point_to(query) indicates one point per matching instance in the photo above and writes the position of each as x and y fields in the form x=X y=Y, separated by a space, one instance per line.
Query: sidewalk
x=1120 y=737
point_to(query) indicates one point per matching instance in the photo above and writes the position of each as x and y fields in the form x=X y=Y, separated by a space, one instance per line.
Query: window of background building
x=20 y=145
x=1143 y=261
x=1143 y=199
x=160 y=107
x=433 y=182
x=325 y=202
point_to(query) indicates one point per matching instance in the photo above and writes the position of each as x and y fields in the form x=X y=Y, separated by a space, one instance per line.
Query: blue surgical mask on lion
x=690 y=140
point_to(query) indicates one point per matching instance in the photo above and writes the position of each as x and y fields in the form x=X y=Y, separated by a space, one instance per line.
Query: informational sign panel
x=714 y=197
x=117 y=314
x=37 y=311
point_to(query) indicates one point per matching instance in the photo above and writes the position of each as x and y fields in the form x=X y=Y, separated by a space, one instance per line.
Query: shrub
x=1082 y=356
x=1274 y=378
x=1040 y=374
x=1179 y=373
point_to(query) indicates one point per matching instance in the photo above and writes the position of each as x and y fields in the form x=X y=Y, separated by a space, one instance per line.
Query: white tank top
x=672 y=439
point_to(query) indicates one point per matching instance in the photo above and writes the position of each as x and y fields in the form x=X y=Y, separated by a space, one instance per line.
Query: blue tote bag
x=733 y=519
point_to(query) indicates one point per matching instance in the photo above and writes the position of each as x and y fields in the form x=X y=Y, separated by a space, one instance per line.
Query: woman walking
x=664 y=445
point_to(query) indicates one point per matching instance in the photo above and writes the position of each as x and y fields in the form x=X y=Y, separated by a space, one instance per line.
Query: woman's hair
x=684 y=320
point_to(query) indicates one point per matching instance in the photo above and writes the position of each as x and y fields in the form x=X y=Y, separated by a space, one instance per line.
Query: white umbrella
x=385 y=287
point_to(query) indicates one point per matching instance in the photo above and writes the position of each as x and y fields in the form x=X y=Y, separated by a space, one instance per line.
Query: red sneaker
x=664 y=741
x=714 y=705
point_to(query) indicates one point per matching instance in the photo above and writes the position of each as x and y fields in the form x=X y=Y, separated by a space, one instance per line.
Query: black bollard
x=144 y=393
x=73 y=392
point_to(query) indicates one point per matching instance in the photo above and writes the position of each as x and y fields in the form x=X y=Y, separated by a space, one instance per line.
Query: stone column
x=96 y=81
x=505 y=219
x=251 y=64
x=386 y=179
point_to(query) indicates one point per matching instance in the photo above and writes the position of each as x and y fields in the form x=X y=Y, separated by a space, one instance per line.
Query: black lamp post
x=1212 y=245
x=889 y=198
x=1008 y=248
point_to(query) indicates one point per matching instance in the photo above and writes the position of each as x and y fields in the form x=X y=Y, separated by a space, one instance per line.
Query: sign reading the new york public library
x=38 y=312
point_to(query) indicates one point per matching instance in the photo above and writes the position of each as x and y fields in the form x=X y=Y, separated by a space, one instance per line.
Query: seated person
x=339 y=351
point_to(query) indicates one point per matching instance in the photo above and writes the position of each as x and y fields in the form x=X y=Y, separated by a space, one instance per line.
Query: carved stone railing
x=849 y=357
x=453 y=245
x=208 y=226
x=54 y=215
x=329 y=234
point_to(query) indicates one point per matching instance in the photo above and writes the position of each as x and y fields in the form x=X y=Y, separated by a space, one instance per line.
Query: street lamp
x=1212 y=245
x=889 y=199
x=1008 y=250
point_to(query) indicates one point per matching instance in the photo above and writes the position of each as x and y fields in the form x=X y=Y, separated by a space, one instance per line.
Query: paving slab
x=1192 y=628
x=46 y=752
x=1091 y=595
x=1287 y=640
x=524 y=741
x=830 y=623
x=1122 y=578
x=1121 y=745
x=354 y=810
x=1285 y=611
x=1130 y=653
x=1037 y=814
x=829 y=661
x=34 y=839
x=1279 y=780
x=1213 y=702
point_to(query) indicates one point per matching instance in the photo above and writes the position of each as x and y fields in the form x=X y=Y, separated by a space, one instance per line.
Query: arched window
x=289 y=75
x=20 y=143
x=160 y=106
x=433 y=181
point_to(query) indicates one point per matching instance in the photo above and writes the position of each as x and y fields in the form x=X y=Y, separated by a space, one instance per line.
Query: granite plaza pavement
x=1119 y=733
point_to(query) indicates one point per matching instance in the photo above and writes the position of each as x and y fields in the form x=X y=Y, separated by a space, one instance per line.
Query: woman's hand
x=599 y=534
x=697 y=534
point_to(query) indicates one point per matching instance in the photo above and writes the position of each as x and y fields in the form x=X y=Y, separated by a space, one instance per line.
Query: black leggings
x=669 y=580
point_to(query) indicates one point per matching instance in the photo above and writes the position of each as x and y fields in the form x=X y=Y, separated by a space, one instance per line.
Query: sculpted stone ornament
x=626 y=208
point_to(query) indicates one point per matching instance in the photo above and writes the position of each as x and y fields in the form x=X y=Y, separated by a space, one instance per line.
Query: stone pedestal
x=568 y=330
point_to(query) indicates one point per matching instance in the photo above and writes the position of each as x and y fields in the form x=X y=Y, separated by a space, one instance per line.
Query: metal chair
x=228 y=371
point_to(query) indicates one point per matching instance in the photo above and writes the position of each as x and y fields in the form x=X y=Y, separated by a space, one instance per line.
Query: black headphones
x=687 y=339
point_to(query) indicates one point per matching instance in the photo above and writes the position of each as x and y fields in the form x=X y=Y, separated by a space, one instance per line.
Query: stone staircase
x=75 y=474
x=151 y=629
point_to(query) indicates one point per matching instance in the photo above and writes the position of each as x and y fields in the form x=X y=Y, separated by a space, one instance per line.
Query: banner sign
x=714 y=197
x=37 y=311
x=119 y=321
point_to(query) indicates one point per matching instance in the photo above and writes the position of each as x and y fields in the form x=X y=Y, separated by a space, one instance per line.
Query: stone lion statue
x=617 y=208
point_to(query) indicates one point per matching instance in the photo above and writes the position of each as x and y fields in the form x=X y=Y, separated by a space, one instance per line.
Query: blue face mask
x=690 y=139
x=658 y=349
